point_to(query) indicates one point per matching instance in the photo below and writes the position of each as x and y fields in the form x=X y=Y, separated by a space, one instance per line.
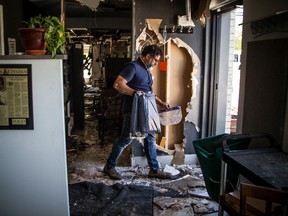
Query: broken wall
x=167 y=12
x=177 y=85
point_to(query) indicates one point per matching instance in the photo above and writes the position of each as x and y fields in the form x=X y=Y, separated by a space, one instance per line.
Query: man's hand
x=164 y=105
x=139 y=93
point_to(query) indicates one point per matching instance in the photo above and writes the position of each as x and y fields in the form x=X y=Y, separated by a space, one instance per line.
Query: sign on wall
x=16 y=111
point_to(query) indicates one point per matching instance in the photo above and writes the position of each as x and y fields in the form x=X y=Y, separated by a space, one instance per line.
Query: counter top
x=34 y=57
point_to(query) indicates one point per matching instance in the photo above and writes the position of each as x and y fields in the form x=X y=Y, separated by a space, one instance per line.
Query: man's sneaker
x=159 y=174
x=112 y=173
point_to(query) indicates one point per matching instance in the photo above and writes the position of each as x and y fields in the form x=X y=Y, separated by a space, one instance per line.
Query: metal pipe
x=168 y=89
x=133 y=39
x=188 y=10
x=222 y=185
x=62 y=16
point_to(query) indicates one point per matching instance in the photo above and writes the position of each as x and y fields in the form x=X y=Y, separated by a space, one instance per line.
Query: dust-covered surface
x=93 y=193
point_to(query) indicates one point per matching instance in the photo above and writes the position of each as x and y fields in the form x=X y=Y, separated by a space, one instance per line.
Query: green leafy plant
x=56 y=37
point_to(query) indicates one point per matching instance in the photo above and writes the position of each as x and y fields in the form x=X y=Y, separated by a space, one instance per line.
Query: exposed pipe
x=188 y=10
x=62 y=16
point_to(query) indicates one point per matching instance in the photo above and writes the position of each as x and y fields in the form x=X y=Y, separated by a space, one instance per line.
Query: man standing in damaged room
x=133 y=81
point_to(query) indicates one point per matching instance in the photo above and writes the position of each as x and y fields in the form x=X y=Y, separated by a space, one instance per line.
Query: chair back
x=110 y=103
x=260 y=200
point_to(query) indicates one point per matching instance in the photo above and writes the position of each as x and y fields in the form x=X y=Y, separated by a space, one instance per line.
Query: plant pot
x=32 y=40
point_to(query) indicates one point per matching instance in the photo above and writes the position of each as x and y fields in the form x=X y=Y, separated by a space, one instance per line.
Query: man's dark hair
x=153 y=50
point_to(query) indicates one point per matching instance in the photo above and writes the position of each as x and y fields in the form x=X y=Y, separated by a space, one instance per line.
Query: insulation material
x=194 y=70
x=92 y=4
x=150 y=34
x=201 y=10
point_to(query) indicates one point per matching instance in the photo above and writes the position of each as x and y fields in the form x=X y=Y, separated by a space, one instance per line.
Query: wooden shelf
x=277 y=22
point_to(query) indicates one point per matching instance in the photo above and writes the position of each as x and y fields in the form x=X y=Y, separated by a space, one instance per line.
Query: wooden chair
x=257 y=200
x=110 y=117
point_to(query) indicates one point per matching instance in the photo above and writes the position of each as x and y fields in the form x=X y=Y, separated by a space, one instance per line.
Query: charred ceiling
x=77 y=8
x=110 y=16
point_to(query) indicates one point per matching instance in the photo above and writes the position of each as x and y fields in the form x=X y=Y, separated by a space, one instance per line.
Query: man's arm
x=164 y=105
x=120 y=85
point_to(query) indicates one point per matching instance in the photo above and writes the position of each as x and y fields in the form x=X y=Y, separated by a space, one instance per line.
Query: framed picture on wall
x=16 y=107
x=2 y=50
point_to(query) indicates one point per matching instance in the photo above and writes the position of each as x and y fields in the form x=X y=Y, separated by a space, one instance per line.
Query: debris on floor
x=91 y=192
x=87 y=199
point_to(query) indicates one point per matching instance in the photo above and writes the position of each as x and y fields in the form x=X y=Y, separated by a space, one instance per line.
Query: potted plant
x=44 y=35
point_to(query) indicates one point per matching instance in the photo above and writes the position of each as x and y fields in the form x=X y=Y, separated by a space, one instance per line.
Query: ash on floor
x=86 y=158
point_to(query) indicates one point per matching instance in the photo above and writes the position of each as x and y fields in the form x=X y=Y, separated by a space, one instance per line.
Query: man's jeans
x=125 y=140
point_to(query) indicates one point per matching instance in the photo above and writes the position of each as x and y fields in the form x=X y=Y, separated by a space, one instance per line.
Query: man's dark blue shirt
x=138 y=78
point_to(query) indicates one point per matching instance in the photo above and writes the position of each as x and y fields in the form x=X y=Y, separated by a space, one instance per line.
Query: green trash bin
x=209 y=153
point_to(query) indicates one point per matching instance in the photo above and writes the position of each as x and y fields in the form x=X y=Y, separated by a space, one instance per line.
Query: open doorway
x=227 y=44
x=238 y=12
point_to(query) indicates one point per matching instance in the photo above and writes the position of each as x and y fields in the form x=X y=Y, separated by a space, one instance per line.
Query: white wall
x=33 y=165
x=223 y=71
x=253 y=10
